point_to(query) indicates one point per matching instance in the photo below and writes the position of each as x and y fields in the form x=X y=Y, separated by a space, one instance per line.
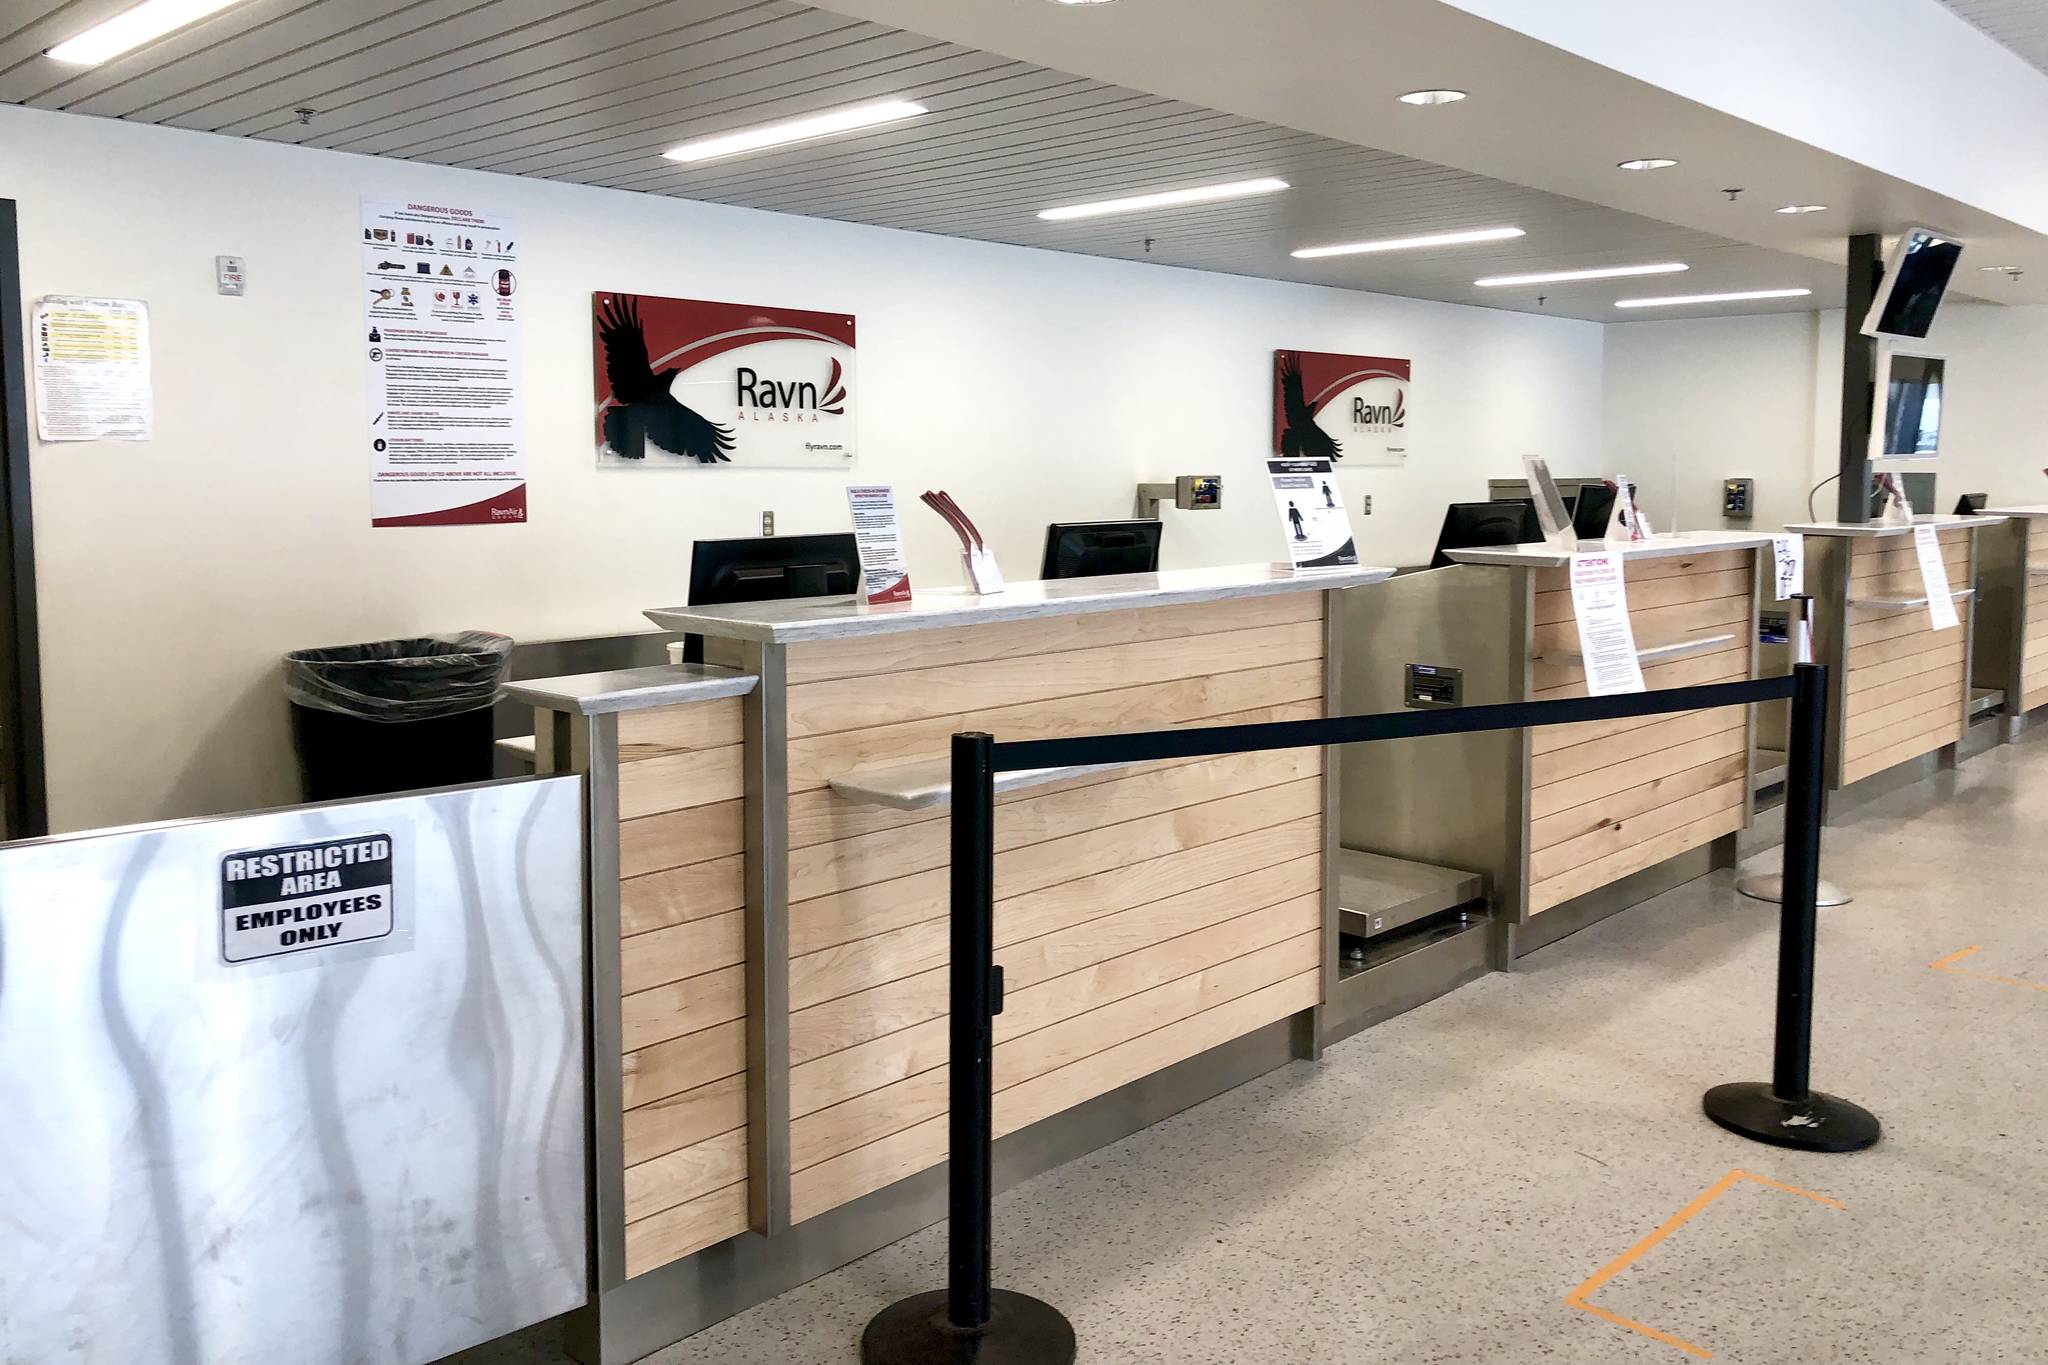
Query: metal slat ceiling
x=593 y=92
x=2021 y=25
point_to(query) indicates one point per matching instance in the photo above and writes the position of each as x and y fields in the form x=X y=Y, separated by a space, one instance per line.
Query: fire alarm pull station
x=1738 y=498
x=1190 y=493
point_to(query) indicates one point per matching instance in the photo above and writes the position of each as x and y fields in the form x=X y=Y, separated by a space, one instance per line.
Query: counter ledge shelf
x=2010 y=653
x=1901 y=690
x=769 y=850
x=1567 y=823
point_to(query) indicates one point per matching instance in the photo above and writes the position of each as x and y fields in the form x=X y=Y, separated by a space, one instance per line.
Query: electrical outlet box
x=1368 y=504
x=767 y=523
x=1738 y=499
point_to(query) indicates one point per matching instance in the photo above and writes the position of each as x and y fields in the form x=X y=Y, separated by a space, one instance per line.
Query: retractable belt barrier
x=968 y=1321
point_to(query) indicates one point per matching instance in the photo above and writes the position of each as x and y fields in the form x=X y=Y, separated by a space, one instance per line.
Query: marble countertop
x=1876 y=528
x=2039 y=511
x=1541 y=555
x=631 y=689
x=840 y=618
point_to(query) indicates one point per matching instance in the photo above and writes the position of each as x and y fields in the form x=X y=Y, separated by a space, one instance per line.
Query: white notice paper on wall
x=878 y=535
x=1790 y=552
x=1941 y=601
x=1607 y=639
x=92 y=369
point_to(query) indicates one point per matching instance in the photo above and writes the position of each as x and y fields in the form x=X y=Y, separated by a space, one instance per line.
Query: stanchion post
x=968 y=1321
x=1786 y=1112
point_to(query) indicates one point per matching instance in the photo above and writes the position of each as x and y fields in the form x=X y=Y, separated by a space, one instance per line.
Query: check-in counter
x=769 y=852
x=1901 y=689
x=2010 y=653
x=1567 y=823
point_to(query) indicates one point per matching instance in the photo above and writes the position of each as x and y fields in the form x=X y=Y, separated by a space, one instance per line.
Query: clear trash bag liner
x=422 y=678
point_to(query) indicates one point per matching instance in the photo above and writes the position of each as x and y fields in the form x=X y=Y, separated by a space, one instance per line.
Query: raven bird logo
x=1302 y=439
x=646 y=410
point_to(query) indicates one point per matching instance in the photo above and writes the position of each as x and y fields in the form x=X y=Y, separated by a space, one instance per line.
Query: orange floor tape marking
x=1577 y=1298
x=1947 y=964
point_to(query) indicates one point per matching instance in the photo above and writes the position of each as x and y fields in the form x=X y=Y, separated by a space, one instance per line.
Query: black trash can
x=395 y=715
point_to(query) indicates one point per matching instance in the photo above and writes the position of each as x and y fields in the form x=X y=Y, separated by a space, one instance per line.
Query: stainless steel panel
x=1450 y=959
x=1997 y=652
x=371 y=1152
x=594 y=752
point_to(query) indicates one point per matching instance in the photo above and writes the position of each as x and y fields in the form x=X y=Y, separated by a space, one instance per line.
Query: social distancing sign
x=296 y=897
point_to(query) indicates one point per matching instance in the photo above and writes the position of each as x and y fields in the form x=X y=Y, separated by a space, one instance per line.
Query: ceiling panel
x=593 y=92
x=2021 y=25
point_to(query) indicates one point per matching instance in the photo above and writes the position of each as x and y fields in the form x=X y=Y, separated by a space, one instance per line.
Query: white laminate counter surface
x=631 y=689
x=840 y=618
x=2016 y=511
x=1878 y=528
x=1541 y=555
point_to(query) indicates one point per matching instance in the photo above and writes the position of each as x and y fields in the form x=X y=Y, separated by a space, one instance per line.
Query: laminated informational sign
x=878 y=535
x=441 y=338
x=1941 y=599
x=1312 y=516
x=92 y=369
x=1607 y=638
x=1789 y=552
x=296 y=897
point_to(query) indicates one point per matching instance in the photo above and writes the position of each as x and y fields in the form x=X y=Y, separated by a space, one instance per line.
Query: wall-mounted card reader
x=1190 y=493
x=1431 y=686
x=1738 y=499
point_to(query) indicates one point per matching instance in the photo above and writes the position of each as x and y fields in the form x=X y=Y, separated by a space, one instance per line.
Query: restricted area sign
x=294 y=897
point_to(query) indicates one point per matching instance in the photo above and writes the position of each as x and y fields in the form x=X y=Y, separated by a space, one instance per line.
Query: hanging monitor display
x=1916 y=276
x=1907 y=422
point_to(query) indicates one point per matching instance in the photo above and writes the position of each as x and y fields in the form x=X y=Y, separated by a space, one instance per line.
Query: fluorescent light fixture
x=806 y=129
x=1165 y=199
x=1083 y=2
x=1429 y=97
x=132 y=28
x=1804 y=208
x=1647 y=163
x=1744 y=296
x=1611 y=272
x=1998 y=269
x=1499 y=234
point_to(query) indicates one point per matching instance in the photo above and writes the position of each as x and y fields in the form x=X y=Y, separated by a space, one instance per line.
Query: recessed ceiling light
x=1648 y=163
x=1499 y=234
x=1804 y=208
x=1427 y=97
x=805 y=129
x=132 y=28
x=1165 y=199
x=1744 y=296
x=1612 y=272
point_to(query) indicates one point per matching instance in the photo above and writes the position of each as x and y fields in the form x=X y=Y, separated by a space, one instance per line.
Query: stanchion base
x=1021 y=1331
x=1818 y=1123
x=1770 y=886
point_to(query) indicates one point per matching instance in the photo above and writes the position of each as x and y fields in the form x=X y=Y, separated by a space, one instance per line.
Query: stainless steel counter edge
x=631 y=689
x=839 y=618
x=1878 y=528
x=1539 y=555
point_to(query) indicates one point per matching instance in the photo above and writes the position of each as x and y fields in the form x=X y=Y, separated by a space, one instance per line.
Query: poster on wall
x=1312 y=515
x=92 y=369
x=1341 y=407
x=441 y=338
x=685 y=383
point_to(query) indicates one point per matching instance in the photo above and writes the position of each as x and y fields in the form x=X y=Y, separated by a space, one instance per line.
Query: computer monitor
x=768 y=568
x=1088 y=549
x=1593 y=510
x=1485 y=525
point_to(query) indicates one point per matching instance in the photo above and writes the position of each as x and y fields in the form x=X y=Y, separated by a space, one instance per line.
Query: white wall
x=1035 y=385
x=1761 y=396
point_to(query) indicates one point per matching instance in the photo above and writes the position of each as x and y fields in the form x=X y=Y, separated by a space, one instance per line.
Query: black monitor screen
x=1485 y=525
x=1912 y=408
x=1910 y=301
x=1088 y=549
x=768 y=568
x=1595 y=508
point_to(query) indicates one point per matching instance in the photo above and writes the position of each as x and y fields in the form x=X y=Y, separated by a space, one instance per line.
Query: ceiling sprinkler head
x=1733 y=195
x=305 y=115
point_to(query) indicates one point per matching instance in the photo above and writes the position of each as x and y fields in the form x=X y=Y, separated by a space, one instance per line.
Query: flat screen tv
x=1916 y=276
x=1906 y=424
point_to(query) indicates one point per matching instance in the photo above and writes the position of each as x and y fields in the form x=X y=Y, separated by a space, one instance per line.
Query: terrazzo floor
x=1437 y=1186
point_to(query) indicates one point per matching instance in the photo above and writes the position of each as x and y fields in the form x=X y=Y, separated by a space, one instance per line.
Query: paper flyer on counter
x=1607 y=638
x=441 y=337
x=878 y=536
x=92 y=369
x=1312 y=516
x=1941 y=599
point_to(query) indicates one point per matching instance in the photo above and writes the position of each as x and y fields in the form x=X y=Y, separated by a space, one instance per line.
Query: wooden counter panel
x=1577 y=821
x=681 y=781
x=680 y=895
x=1733 y=666
x=1654 y=627
x=682 y=951
x=669 y=1068
x=1945 y=672
x=1650 y=570
x=1687 y=672
x=816 y=760
x=675 y=1233
x=1618 y=836
x=679 y=729
x=678 y=1121
x=1865 y=677
x=1555 y=891
x=1906 y=680
x=1899 y=746
x=681 y=1007
x=1648 y=762
x=1932 y=694
x=1868 y=626
x=1555 y=605
x=902 y=1154
x=678 y=838
x=922 y=694
x=898 y=653
x=1630 y=746
x=681 y=1176
x=1872 y=563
